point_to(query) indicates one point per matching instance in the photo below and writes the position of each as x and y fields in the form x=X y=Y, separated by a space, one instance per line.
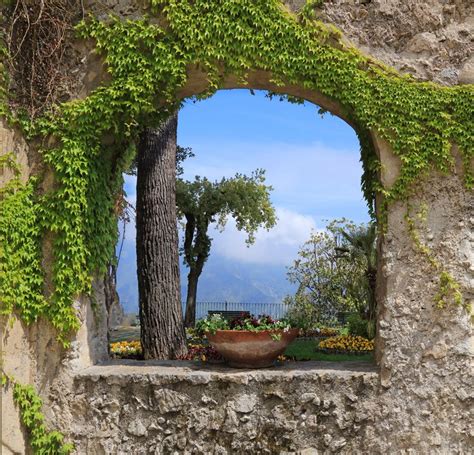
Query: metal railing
x=275 y=310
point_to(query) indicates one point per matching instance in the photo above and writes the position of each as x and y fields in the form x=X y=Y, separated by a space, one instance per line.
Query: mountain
x=234 y=281
x=221 y=280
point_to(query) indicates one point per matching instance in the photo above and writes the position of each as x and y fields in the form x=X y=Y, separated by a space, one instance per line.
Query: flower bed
x=202 y=352
x=133 y=350
x=346 y=344
x=318 y=333
x=126 y=350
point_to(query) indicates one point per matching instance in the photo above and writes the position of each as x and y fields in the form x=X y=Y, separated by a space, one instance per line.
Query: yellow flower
x=347 y=343
x=126 y=347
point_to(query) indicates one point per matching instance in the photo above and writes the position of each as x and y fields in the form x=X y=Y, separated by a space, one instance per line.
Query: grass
x=306 y=350
x=125 y=333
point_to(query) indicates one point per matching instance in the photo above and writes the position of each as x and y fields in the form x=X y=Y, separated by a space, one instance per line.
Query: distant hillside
x=221 y=280
x=234 y=281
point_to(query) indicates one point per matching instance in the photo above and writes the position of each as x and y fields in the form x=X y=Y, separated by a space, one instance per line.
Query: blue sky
x=312 y=163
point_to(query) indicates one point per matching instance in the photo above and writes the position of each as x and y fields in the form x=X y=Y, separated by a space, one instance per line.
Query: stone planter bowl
x=247 y=349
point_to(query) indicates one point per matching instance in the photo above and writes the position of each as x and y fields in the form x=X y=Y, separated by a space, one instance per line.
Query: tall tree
x=161 y=319
x=202 y=202
x=363 y=244
x=331 y=276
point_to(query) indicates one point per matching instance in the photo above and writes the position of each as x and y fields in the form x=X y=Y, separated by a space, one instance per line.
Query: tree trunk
x=372 y=279
x=196 y=264
x=112 y=299
x=161 y=318
x=190 y=318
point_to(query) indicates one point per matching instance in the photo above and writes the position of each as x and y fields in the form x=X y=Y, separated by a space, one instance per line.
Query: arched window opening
x=315 y=267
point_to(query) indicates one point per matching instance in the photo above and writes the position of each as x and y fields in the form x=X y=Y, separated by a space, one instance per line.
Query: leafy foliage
x=363 y=246
x=200 y=203
x=211 y=324
x=244 y=198
x=42 y=441
x=302 y=312
x=357 y=326
x=252 y=323
x=147 y=64
x=330 y=274
x=362 y=240
x=21 y=276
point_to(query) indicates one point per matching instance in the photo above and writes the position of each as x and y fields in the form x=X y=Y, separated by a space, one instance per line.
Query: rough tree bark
x=190 y=316
x=112 y=299
x=196 y=264
x=161 y=318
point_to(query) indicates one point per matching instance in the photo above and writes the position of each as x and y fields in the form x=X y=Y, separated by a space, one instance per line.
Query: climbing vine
x=449 y=288
x=147 y=61
x=21 y=276
x=38 y=45
x=42 y=440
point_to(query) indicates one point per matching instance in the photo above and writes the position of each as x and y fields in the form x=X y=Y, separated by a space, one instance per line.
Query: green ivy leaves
x=42 y=441
x=21 y=276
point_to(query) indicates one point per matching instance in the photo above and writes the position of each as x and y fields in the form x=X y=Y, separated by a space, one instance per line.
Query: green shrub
x=358 y=326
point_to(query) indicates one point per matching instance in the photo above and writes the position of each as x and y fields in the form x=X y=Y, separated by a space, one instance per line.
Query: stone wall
x=11 y=142
x=431 y=39
x=32 y=355
x=14 y=343
x=420 y=400
x=427 y=352
x=159 y=408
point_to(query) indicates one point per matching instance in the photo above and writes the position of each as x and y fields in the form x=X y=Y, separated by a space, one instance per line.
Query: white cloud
x=309 y=178
x=305 y=177
x=279 y=246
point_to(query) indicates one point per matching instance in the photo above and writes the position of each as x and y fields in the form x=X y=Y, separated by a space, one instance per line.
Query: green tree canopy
x=363 y=247
x=331 y=272
x=202 y=202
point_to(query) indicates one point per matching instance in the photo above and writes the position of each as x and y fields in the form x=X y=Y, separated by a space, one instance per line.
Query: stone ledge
x=196 y=372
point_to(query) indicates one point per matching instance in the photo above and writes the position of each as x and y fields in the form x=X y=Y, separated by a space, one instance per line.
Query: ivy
x=21 y=276
x=449 y=290
x=42 y=440
x=147 y=61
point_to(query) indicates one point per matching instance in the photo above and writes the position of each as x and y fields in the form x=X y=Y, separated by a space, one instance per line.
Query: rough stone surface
x=427 y=353
x=466 y=75
x=11 y=142
x=431 y=39
x=18 y=363
x=32 y=355
x=146 y=407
